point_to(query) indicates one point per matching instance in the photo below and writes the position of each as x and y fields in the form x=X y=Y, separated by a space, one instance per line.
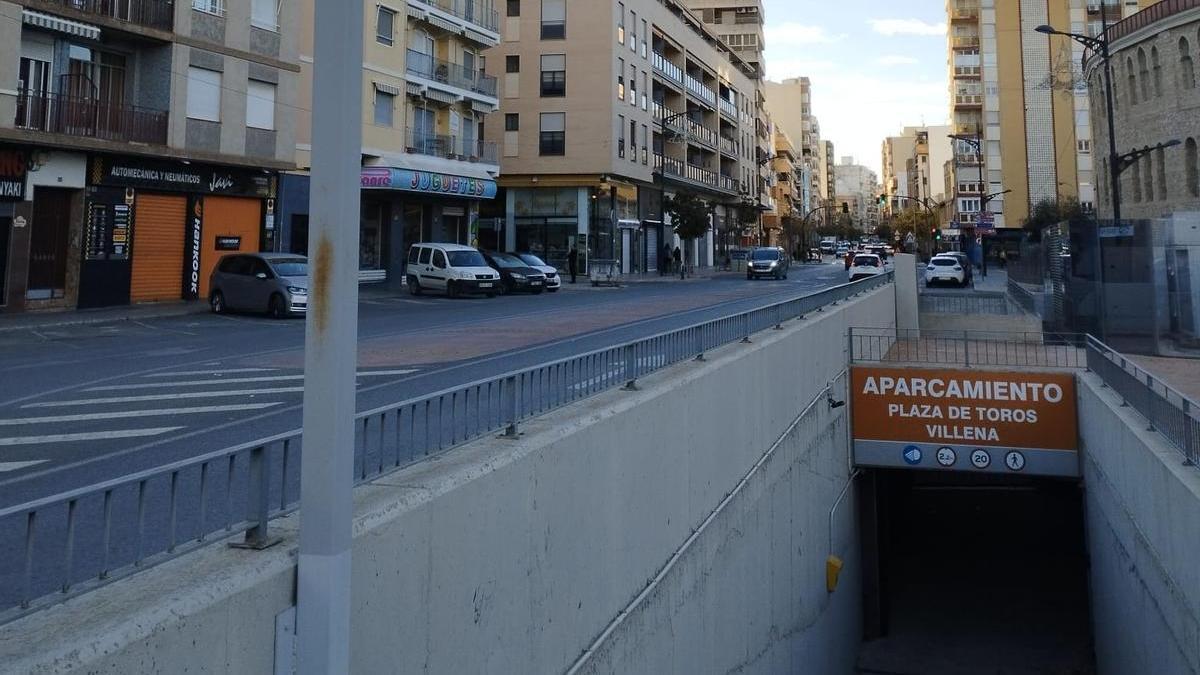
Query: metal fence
x=967 y=348
x=1168 y=412
x=65 y=544
x=979 y=302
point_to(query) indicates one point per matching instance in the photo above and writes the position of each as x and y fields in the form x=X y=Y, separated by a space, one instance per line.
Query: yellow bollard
x=833 y=568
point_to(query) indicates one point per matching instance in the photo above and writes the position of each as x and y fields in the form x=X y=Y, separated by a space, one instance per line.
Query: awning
x=443 y=24
x=387 y=88
x=51 y=22
x=416 y=12
x=482 y=107
x=412 y=88
x=442 y=96
x=483 y=38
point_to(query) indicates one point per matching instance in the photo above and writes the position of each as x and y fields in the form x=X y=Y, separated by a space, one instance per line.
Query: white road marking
x=162 y=397
x=123 y=414
x=232 y=380
x=87 y=436
x=16 y=466
x=211 y=372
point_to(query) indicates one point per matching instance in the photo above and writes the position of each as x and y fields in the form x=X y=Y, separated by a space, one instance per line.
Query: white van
x=451 y=268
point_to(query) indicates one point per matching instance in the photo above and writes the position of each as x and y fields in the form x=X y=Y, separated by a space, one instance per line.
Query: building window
x=554 y=75
x=633 y=85
x=645 y=38
x=1084 y=145
x=512 y=122
x=204 y=94
x=384 y=105
x=620 y=136
x=1149 y=161
x=260 y=105
x=1186 y=67
x=385 y=22
x=1144 y=74
x=512 y=63
x=554 y=19
x=514 y=8
x=552 y=134
x=1157 y=68
x=1160 y=160
x=264 y=14
x=633 y=32
x=620 y=23
x=633 y=144
x=215 y=7
x=1132 y=79
x=645 y=142
x=620 y=79
x=645 y=90
x=1191 y=171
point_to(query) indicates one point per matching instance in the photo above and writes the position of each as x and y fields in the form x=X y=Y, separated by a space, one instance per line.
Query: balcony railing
x=158 y=14
x=964 y=41
x=964 y=13
x=1151 y=14
x=668 y=69
x=420 y=142
x=697 y=88
x=478 y=12
x=968 y=99
x=729 y=146
x=729 y=108
x=74 y=116
x=452 y=74
x=696 y=174
x=729 y=183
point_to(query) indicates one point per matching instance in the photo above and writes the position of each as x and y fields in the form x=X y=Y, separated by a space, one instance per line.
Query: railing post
x=1189 y=434
x=779 y=316
x=746 y=327
x=966 y=350
x=631 y=372
x=258 y=501
x=512 y=406
x=699 y=342
x=1148 y=410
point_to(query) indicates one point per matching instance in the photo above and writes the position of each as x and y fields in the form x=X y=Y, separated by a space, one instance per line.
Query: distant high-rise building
x=1018 y=94
x=857 y=187
x=914 y=165
x=790 y=104
x=739 y=24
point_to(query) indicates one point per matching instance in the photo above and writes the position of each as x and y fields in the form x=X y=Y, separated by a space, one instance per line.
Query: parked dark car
x=515 y=274
x=276 y=283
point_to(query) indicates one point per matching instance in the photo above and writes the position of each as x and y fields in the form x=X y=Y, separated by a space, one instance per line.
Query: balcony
x=420 y=142
x=967 y=159
x=74 y=116
x=669 y=70
x=451 y=74
x=699 y=175
x=964 y=13
x=964 y=42
x=148 y=13
x=729 y=146
x=476 y=12
x=968 y=100
x=729 y=109
x=697 y=88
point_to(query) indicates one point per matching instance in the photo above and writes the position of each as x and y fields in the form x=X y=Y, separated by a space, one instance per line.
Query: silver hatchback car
x=276 y=283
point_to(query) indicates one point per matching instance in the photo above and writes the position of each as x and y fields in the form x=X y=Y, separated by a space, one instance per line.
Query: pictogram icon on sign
x=1014 y=460
x=912 y=455
x=946 y=456
x=980 y=458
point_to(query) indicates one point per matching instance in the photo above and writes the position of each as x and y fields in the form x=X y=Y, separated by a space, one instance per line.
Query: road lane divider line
x=162 y=397
x=87 y=436
x=233 y=380
x=125 y=414
x=16 y=466
x=215 y=371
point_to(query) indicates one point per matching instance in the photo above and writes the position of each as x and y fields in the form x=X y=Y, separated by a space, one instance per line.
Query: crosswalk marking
x=122 y=414
x=14 y=466
x=87 y=436
x=222 y=371
x=232 y=380
x=162 y=397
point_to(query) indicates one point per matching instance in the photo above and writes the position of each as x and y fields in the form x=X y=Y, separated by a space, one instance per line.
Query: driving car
x=452 y=268
x=965 y=261
x=767 y=262
x=865 y=265
x=515 y=274
x=945 y=267
x=553 y=278
x=275 y=283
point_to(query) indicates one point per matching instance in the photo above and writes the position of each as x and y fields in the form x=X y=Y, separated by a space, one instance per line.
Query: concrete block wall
x=514 y=556
x=1143 y=533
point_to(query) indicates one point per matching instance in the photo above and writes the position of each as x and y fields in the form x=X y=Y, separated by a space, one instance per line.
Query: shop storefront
x=154 y=230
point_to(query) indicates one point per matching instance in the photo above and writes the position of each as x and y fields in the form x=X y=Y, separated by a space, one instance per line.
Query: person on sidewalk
x=573 y=263
x=665 y=268
x=678 y=256
x=1003 y=259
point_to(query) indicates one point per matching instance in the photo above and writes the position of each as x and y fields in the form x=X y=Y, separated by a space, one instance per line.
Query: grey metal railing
x=1167 y=411
x=967 y=348
x=65 y=544
x=978 y=302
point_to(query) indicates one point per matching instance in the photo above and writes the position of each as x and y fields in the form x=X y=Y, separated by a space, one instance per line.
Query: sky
x=875 y=66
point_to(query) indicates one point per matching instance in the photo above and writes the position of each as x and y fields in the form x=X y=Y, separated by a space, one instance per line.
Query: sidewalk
x=701 y=274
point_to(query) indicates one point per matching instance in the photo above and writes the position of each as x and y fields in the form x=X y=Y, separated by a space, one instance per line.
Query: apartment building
x=427 y=167
x=857 y=187
x=142 y=141
x=586 y=165
x=914 y=167
x=738 y=23
x=788 y=190
x=828 y=186
x=790 y=103
x=1021 y=105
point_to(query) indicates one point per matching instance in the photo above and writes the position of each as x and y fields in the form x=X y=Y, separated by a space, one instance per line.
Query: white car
x=553 y=278
x=945 y=268
x=451 y=268
x=865 y=265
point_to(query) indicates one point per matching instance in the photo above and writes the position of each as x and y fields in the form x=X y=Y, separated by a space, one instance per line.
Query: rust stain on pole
x=320 y=284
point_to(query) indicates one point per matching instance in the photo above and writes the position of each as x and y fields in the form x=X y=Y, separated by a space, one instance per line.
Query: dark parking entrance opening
x=971 y=573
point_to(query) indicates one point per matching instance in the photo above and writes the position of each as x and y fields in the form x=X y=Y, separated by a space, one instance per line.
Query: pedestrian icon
x=946 y=456
x=912 y=455
x=1014 y=460
x=980 y=458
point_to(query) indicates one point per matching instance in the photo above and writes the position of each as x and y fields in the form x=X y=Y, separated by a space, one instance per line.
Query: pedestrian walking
x=573 y=263
x=665 y=268
x=849 y=259
x=1003 y=258
x=678 y=256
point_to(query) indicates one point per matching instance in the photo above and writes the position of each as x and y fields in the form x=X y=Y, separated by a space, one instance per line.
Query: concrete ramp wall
x=519 y=556
x=1143 y=532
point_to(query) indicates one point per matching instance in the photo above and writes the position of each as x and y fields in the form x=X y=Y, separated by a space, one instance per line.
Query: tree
x=689 y=215
x=884 y=232
x=1049 y=212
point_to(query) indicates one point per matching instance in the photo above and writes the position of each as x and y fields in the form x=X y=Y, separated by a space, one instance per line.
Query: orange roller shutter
x=227 y=217
x=158 y=232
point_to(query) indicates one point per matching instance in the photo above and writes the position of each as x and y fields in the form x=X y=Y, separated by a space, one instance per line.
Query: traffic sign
x=946 y=456
x=912 y=455
x=1014 y=460
x=980 y=458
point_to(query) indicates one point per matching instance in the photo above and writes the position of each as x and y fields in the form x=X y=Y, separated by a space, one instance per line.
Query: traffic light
x=937 y=234
x=845 y=207
x=883 y=200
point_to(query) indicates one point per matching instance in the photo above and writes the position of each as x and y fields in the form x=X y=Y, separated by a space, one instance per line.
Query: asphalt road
x=83 y=404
